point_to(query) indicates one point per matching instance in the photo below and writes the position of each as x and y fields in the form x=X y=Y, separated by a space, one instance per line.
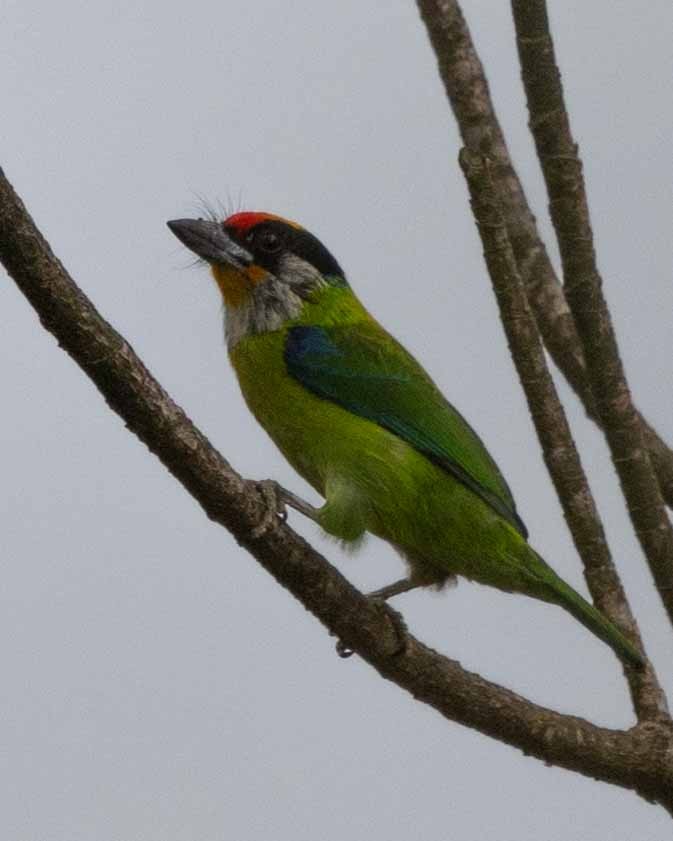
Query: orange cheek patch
x=233 y=284
x=256 y=273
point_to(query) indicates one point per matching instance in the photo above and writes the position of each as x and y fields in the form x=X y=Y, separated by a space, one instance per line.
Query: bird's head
x=266 y=267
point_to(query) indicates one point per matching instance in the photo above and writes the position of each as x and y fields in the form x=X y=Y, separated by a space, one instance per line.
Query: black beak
x=210 y=241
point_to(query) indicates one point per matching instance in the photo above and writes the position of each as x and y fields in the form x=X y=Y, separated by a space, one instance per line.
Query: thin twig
x=558 y=447
x=562 y=170
x=640 y=759
x=467 y=89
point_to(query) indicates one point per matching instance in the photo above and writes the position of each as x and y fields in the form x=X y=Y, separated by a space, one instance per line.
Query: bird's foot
x=277 y=498
x=399 y=627
x=274 y=510
x=398 y=624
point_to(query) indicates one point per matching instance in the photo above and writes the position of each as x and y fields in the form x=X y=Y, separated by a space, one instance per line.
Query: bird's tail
x=592 y=619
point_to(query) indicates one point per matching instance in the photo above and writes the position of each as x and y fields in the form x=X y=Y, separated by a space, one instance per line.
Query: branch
x=640 y=759
x=558 y=447
x=562 y=170
x=467 y=89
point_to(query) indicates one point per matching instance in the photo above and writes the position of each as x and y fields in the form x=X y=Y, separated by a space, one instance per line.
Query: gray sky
x=157 y=684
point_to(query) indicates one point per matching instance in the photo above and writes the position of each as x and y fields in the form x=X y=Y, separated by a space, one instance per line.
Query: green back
x=360 y=367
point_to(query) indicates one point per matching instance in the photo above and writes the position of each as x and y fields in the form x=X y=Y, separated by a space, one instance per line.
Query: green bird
x=360 y=419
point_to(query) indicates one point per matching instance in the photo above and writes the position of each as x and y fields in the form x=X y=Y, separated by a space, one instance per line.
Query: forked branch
x=562 y=170
x=558 y=447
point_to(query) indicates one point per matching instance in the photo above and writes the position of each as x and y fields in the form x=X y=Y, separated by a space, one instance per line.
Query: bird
x=359 y=418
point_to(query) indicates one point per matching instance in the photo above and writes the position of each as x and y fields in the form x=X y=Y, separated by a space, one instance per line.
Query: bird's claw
x=274 y=510
x=343 y=650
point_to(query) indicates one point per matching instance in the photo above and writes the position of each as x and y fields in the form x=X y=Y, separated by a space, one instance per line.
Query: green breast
x=309 y=431
x=316 y=436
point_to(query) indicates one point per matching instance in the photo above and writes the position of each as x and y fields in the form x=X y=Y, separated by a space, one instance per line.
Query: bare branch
x=467 y=89
x=558 y=447
x=640 y=759
x=562 y=170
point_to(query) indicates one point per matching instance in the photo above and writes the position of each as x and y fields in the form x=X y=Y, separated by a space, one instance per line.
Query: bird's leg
x=297 y=503
x=276 y=498
x=394 y=589
x=419 y=577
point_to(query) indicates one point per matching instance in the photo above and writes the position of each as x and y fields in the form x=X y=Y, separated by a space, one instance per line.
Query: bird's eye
x=268 y=242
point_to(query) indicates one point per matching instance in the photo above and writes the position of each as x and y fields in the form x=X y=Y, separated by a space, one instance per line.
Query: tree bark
x=569 y=210
x=558 y=447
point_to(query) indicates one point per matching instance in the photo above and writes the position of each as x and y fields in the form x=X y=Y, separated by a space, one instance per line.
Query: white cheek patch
x=270 y=305
x=299 y=275
x=273 y=301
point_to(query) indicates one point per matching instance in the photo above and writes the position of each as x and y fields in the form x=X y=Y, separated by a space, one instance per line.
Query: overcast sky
x=157 y=685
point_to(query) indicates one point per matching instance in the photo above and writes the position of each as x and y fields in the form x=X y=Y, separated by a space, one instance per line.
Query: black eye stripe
x=269 y=241
x=291 y=240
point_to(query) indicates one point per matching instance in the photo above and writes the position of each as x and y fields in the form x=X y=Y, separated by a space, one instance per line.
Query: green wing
x=364 y=370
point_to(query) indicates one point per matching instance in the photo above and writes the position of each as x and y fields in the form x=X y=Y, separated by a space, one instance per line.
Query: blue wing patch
x=364 y=370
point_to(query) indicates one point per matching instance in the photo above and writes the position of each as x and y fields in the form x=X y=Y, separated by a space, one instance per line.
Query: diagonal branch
x=640 y=759
x=467 y=89
x=569 y=210
x=558 y=447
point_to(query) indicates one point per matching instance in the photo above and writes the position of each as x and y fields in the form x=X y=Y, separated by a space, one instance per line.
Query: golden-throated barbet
x=360 y=419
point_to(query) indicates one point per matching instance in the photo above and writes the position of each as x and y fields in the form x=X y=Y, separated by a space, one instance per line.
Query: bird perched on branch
x=359 y=418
